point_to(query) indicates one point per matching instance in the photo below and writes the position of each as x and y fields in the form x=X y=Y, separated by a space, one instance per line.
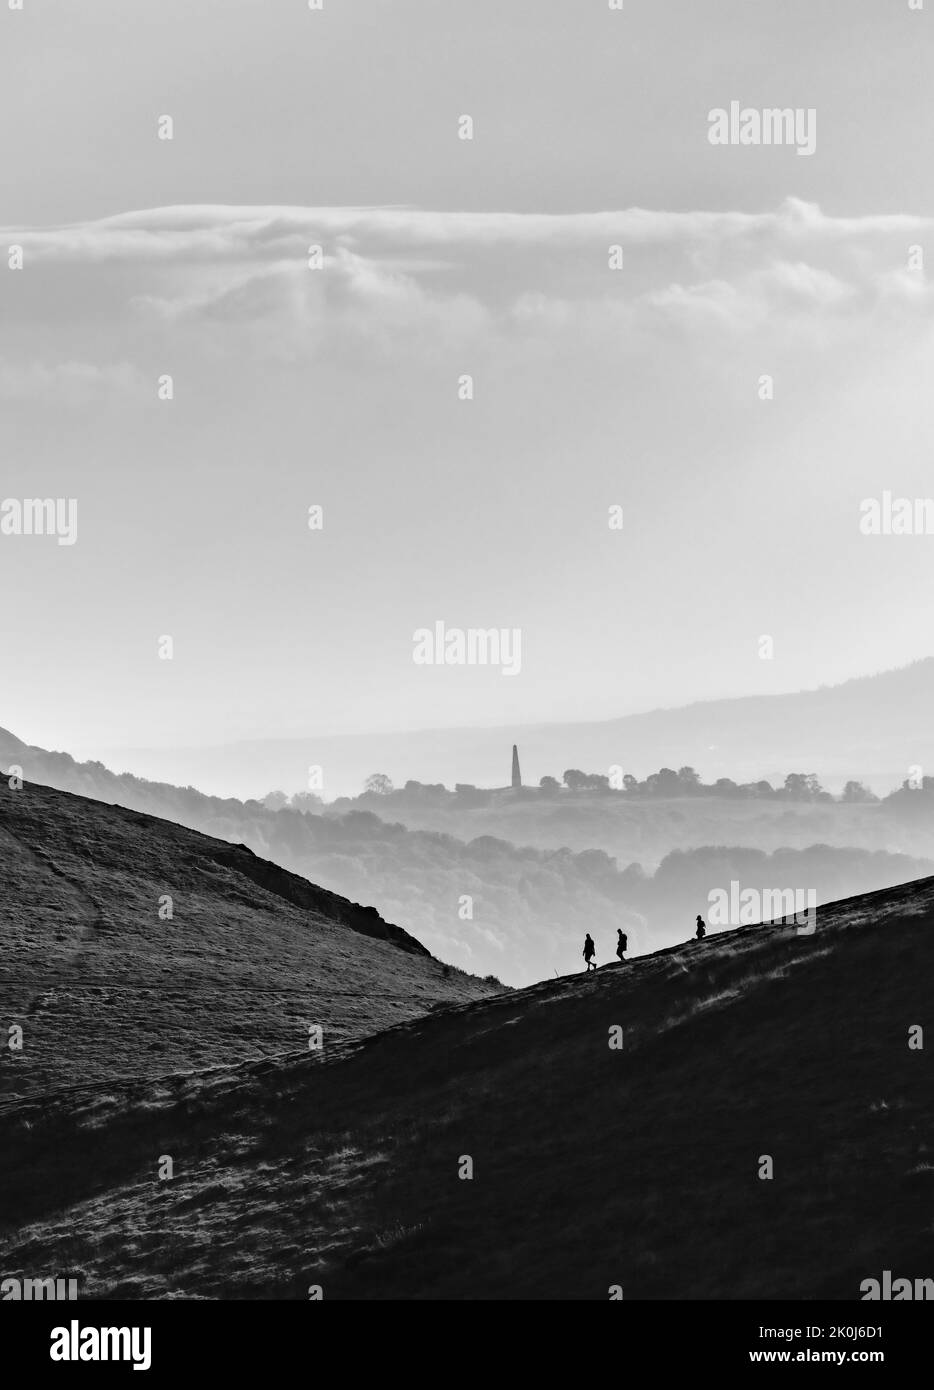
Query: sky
x=339 y=386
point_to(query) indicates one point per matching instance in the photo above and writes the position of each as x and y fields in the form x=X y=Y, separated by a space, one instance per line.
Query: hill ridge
x=130 y=944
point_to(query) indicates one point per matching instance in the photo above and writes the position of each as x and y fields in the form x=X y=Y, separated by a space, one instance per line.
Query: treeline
x=914 y=799
x=797 y=786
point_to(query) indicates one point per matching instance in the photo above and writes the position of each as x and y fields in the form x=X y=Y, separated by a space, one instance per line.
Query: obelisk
x=516 y=774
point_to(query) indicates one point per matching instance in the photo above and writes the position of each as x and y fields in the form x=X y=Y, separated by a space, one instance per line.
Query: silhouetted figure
x=621 y=942
x=590 y=951
x=701 y=929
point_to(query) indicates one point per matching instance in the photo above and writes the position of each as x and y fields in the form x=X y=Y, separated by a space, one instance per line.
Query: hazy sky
x=339 y=386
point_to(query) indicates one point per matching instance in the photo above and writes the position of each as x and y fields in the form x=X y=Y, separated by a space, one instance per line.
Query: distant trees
x=855 y=791
x=914 y=799
x=804 y=786
x=798 y=786
x=425 y=791
x=467 y=795
x=684 y=878
x=576 y=780
x=665 y=783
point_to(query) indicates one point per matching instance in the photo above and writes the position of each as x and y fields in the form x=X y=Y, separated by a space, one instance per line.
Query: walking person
x=590 y=951
x=621 y=943
x=701 y=929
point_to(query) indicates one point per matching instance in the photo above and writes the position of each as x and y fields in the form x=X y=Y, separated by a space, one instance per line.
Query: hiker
x=701 y=929
x=621 y=942
x=590 y=951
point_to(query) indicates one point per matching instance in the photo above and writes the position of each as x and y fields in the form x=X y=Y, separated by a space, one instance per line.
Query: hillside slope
x=593 y=1167
x=103 y=985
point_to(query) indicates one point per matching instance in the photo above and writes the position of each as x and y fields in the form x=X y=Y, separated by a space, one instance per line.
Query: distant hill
x=638 y=1167
x=872 y=728
x=643 y=829
x=520 y=911
x=11 y=747
x=104 y=984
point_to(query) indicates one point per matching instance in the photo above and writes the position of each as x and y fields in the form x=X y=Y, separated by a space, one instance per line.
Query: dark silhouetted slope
x=104 y=983
x=591 y=1167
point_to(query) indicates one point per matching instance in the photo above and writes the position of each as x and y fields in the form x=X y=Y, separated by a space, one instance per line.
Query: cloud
x=239 y=277
x=210 y=231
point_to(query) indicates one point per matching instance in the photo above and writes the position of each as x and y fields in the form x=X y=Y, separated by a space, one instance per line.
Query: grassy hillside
x=592 y=1167
x=103 y=985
